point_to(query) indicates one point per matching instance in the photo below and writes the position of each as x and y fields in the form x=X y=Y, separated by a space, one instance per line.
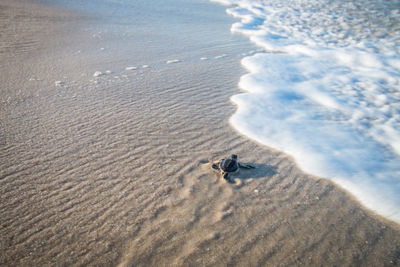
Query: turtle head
x=234 y=156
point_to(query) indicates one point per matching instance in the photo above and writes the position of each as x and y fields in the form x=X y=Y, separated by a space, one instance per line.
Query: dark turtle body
x=229 y=165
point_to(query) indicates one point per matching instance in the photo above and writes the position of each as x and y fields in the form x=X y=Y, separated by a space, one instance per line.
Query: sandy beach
x=105 y=144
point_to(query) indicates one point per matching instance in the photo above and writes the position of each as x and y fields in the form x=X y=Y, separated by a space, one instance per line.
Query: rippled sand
x=112 y=170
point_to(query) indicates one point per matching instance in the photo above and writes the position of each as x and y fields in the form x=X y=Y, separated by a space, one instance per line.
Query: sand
x=112 y=170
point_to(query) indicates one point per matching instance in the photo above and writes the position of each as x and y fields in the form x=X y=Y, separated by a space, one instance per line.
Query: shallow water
x=326 y=90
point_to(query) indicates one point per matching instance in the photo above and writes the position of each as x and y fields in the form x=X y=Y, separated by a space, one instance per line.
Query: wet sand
x=112 y=170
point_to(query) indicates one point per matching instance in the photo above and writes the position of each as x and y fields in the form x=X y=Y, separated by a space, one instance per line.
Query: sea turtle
x=229 y=166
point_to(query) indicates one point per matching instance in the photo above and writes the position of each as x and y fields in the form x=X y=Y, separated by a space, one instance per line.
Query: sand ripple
x=115 y=173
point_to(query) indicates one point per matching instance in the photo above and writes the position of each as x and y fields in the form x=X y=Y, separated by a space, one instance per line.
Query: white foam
x=173 y=61
x=221 y=56
x=326 y=91
x=98 y=74
x=59 y=83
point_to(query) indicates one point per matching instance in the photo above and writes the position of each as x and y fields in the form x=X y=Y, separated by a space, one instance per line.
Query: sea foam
x=326 y=90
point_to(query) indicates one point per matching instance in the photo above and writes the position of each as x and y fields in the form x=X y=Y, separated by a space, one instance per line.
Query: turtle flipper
x=215 y=166
x=246 y=166
x=227 y=178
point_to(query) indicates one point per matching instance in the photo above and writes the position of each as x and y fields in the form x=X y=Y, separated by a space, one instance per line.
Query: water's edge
x=340 y=153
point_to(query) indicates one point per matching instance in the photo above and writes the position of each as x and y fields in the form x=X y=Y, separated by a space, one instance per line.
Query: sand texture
x=112 y=170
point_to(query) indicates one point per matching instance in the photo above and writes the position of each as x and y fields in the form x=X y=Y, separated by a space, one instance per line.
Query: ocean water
x=149 y=33
x=326 y=90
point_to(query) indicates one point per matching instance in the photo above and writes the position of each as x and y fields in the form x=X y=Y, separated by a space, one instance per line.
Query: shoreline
x=302 y=112
x=104 y=170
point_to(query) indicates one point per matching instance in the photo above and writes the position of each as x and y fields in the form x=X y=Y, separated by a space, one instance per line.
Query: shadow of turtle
x=260 y=171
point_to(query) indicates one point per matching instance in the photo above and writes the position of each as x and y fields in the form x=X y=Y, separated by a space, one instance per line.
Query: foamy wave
x=326 y=91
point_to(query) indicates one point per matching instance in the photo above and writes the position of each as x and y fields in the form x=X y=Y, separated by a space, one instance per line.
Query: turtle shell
x=229 y=165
